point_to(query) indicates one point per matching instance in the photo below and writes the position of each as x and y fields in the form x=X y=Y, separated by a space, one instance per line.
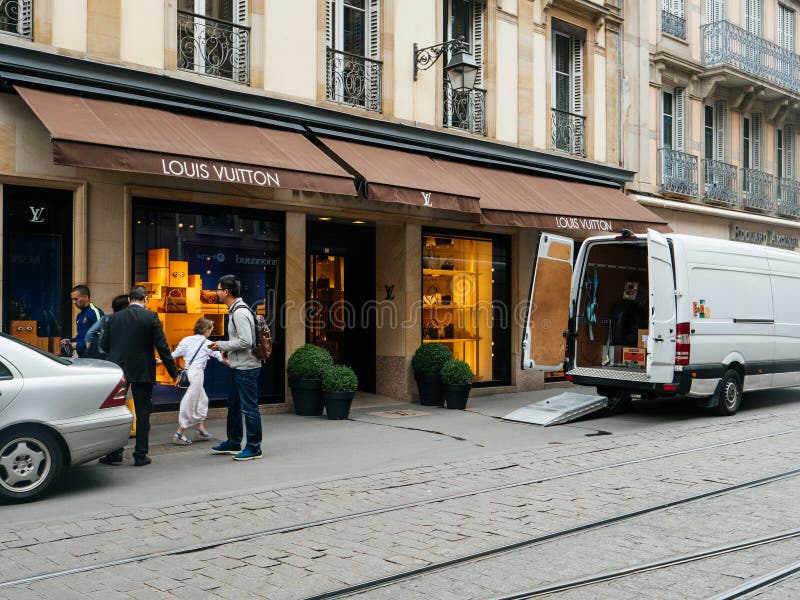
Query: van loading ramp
x=559 y=409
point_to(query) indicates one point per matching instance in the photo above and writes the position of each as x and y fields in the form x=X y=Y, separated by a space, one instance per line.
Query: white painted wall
x=142 y=32
x=290 y=48
x=70 y=24
x=507 y=97
x=416 y=22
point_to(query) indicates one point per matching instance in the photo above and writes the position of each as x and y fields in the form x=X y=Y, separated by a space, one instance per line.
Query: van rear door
x=547 y=315
x=663 y=317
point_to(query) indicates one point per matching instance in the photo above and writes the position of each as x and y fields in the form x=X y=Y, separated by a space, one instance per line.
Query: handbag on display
x=432 y=329
x=183 y=379
x=432 y=296
x=448 y=265
x=429 y=260
x=447 y=299
x=209 y=297
x=175 y=301
x=449 y=331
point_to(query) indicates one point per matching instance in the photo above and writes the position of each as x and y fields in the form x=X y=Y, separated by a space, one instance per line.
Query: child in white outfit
x=194 y=405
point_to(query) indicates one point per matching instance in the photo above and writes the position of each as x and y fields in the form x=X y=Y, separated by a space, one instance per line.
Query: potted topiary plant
x=456 y=383
x=339 y=385
x=428 y=360
x=304 y=369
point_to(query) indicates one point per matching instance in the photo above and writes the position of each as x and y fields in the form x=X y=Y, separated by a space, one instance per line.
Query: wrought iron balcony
x=757 y=190
x=465 y=109
x=213 y=47
x=678 y=172
x=788 y=197
x=719 y=182
x=725 y=44
x=354 y=80
x=568 y=132
x=673 y=24
x=16 y=17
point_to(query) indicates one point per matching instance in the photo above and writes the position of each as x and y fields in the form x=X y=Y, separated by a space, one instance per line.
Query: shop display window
x=465 y=301
x=179 y=254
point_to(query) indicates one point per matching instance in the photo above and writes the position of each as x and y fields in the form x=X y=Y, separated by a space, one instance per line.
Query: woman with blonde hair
x=194 y=405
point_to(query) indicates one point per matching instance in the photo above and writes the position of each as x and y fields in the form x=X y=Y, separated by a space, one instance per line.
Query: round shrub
x=430 y=358
x=338 y=378
x=456 y=372
x=308 y=362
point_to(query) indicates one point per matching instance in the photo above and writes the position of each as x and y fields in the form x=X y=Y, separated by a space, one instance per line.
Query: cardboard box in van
x=633 y=356
x=641 y=337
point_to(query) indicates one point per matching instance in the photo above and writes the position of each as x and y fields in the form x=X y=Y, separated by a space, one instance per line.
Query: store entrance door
x=37 y=265
x=340 y=292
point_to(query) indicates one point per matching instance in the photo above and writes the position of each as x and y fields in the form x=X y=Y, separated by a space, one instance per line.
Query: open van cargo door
x=547 y=317
x=663 y=318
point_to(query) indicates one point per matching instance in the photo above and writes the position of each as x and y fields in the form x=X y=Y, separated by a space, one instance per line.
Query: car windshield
x=58 y=359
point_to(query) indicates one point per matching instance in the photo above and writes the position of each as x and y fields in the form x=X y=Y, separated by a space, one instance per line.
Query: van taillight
x=117 y=395
x=682 y=344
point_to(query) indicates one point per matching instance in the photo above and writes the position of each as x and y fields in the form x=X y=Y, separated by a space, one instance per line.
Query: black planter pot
x=429 y=386
x=455 y=396
x=337 y=404
x=307 y=396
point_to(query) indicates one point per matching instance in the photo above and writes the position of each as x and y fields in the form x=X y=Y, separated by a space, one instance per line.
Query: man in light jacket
x=243 y=397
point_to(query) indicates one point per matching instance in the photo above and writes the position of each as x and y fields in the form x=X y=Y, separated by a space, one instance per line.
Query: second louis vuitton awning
x=405 y=177
x=105 y=134
x=514 y=199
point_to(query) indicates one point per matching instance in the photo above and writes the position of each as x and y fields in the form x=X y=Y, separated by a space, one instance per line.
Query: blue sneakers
x=248 y=454
x=225 y=448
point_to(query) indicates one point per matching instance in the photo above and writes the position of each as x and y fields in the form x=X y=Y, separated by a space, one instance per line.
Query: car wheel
x=30 y=461
x=728 y=394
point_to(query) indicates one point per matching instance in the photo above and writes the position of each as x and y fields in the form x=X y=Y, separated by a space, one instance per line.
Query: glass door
x=326 y=315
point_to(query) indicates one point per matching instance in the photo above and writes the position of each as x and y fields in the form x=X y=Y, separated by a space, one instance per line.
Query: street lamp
x=461 y=69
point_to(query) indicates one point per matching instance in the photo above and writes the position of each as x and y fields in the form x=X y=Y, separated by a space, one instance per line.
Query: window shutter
x=719 y=133
x=477 y=39
x=372 y=71
x=330 y=24
x=752 y=16
x=680 y=119
x=679 y=8
x=714 y=11
x=25 y=24
x=577 y=76
x=241 y=43
x=756 y=137
x=788 y=151
x=785 y=27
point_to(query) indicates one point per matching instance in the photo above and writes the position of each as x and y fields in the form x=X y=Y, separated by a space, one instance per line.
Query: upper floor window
x=213 y=38
x=752 y=16
x=784 y=152
x=714 y=10
x=785 y=27
x=751 y=142
x=16 y=16
x=673 y=20
x=465 y=109
x=673 y=119
x=568 y=121
x=353 y=66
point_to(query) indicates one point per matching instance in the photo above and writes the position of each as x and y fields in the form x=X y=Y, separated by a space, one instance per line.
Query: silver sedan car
x=54 y=413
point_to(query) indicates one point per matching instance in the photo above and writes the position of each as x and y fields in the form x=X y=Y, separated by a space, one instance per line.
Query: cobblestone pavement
x=313 y=560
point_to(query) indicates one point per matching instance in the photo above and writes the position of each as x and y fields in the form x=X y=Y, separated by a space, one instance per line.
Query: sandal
x=180 y=440
x=201 y=435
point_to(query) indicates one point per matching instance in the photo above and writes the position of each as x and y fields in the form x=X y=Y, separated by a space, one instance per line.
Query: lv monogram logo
x=36 y=214
x=427 y=197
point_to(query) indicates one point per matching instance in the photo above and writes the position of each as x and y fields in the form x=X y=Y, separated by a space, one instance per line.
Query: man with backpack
x=241 y=352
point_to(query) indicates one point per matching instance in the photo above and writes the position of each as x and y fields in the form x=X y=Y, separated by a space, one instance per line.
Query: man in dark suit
x=129 y=340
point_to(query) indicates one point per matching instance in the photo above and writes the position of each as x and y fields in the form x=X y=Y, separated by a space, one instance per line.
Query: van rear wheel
x=728 y=393
x=618 y=402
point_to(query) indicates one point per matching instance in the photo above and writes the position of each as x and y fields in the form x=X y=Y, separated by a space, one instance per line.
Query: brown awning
x=104 y=134
x=405 y=177
x=519 y=200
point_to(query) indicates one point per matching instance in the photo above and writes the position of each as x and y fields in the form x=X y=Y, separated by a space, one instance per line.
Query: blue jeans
x=243 y=400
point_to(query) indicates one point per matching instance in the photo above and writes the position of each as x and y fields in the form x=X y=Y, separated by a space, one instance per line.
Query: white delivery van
x=720 y=317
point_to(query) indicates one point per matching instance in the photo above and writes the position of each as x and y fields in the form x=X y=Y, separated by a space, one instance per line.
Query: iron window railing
x=354 y=80
x=788 y=197
x=213 y=47
x=465 y=109
x=725 y=44
x=757 y=190
x=719 y=180
x=16 y=17
x=568 y=132
x=673 y=24
x=678 y=172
